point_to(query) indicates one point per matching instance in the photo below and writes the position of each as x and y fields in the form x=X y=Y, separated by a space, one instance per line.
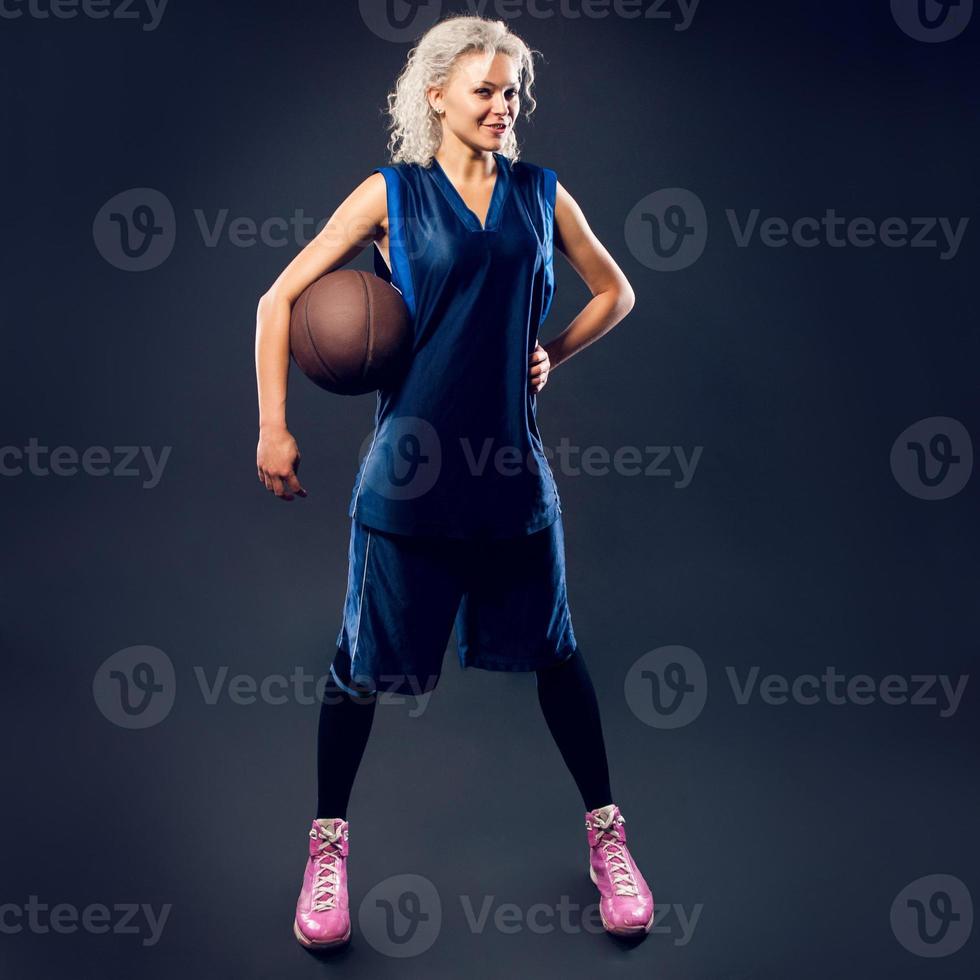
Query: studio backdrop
x=766 y=473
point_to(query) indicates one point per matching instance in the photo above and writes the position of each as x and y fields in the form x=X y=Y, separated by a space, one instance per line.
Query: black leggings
x=567 y=700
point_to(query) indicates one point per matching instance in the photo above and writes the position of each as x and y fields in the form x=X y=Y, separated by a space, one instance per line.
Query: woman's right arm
x=360 y=220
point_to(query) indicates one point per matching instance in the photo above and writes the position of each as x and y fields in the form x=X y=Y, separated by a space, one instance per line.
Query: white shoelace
x=326 y=879
x=612 y=846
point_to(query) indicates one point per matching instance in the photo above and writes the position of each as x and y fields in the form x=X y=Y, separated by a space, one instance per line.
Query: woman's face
x=481 y=94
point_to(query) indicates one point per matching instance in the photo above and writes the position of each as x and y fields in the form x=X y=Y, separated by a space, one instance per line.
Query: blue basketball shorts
x=506 y=597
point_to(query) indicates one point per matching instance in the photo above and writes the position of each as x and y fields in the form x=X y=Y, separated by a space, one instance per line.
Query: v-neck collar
x=468 y=217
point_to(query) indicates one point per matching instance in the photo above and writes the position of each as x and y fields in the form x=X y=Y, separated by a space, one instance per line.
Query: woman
x=455 y=512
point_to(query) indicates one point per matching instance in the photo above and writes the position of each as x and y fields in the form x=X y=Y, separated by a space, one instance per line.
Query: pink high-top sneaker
x=322 y=914
x=626 y=905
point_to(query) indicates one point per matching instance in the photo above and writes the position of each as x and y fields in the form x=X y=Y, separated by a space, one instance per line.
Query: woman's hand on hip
x=540 y=366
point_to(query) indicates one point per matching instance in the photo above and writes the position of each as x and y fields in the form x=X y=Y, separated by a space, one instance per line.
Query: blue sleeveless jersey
x=456 y=450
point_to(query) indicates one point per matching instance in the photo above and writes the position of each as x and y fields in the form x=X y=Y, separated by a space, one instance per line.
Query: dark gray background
x=793 y=828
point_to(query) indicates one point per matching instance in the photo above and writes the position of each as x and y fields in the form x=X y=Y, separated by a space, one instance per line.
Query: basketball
x=350 y=332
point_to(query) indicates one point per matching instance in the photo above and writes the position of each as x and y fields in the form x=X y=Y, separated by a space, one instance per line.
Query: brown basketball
x=350 y=332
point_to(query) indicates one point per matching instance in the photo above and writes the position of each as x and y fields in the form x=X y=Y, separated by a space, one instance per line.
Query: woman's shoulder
x=527 y=169
x=401 y=167
x=398 y=173
x=536 y=179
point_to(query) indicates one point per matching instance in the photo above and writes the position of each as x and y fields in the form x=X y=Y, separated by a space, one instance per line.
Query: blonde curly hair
x=416 y=131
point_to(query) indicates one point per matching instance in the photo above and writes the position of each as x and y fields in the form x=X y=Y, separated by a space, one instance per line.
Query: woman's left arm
x=612 y=295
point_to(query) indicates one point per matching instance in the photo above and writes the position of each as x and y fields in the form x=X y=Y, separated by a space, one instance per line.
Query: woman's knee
x=339 y=679
x=573 y=663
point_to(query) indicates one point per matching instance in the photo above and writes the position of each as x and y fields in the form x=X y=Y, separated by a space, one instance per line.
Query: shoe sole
x=620 y=930
x=319 y=943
